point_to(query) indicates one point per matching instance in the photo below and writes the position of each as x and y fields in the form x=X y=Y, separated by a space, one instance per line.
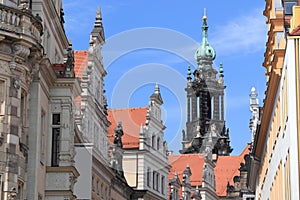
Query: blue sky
x=154 y=41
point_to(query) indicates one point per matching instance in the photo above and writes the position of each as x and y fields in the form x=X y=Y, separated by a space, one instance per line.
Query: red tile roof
x=80 y=62
x=179 y=163
x=132 y=119
x=295 y=31
x=226 y=168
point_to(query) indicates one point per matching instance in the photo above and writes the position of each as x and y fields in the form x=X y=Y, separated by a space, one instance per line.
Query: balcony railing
x=20 y=21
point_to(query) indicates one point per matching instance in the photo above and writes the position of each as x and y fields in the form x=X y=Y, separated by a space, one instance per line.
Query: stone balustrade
x=20 y=21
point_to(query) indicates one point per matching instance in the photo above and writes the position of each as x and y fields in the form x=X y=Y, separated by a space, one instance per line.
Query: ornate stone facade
x=36 y=107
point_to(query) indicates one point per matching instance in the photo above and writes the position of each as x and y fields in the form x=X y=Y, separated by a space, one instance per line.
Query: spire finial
x=221 y=68
x=98 y=22
x=189 y=74
x=205 y=51
x=204 y=15
x=156 y=88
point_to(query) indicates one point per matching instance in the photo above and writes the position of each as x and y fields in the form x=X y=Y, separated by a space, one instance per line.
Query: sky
x=150 y=42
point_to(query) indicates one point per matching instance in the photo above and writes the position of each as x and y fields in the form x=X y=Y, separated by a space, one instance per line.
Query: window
x=98 y=188
x=158 y=143
x=106 y=193
x=148 y=176
x=153 y=141
x=55 y=147
x=23 y=108
x=163 y=184
x=288 y=6
x=55 y=140
x=93 y=185
x=20 y=190
x=102 y=190
x=56 y=119
x=155 y=180
x=2 y=97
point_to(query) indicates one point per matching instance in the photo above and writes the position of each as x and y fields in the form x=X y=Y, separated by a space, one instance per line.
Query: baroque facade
x=275 y=153
x=53 y=114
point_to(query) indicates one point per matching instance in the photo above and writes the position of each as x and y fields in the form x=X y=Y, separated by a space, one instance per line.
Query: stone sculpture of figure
x=70 y=58
x=213 y=130
x=118 y=135
x=205 y=173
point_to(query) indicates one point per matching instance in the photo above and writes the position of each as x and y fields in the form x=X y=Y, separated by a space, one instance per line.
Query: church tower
x=205 y=127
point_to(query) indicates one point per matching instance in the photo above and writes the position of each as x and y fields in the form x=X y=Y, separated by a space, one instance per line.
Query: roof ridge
x=77 y=51
x=295 y=31
x=134 y=108
x=193 y=154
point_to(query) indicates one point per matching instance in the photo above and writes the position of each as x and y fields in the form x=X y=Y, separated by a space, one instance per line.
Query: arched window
x=93 y=184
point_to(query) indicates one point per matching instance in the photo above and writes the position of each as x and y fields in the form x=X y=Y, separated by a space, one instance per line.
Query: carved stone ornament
x=20 y=50
x=5 y=48
x=24 y=5
x=4 y=68
x=16 y=84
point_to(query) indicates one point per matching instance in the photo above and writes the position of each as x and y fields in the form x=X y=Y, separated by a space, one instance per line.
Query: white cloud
x=244 y=34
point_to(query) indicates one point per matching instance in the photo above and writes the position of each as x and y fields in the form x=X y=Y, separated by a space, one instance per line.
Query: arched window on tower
x=212 y=104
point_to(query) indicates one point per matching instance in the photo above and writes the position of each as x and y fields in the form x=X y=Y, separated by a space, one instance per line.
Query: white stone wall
x=83 y=163
x=54 y=39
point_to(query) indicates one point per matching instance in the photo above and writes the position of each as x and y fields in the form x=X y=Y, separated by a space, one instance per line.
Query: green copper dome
x=205 y=51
